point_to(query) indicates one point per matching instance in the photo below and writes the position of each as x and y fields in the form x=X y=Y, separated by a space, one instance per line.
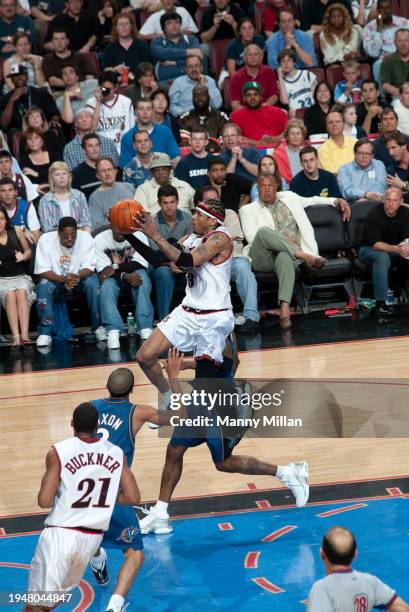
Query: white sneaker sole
x=301 y=474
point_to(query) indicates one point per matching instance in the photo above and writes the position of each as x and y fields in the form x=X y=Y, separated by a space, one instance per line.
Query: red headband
x=209 y=213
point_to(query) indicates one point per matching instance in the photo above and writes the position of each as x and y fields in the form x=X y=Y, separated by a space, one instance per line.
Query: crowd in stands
x=270 y=106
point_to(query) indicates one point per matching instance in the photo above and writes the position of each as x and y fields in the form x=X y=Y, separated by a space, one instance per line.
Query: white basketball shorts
x=61 y=558
x=204 y=334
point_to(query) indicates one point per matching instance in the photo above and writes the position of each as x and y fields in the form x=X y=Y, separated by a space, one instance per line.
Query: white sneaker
x=43 y=340
x=145 y=333
x=239 y=319
x=113 y=339
x=296 y=479
x=152 y=523
x=100 y=333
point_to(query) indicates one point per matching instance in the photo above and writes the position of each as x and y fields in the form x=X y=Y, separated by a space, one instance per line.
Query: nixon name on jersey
x=85 y=459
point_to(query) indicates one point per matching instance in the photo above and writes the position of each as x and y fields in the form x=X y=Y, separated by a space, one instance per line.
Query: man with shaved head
x=120 y=420
x=344 y=589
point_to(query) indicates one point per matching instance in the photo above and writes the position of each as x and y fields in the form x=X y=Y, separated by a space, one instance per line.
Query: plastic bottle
x=390 y=298
x=130 y=321
x=125 y=75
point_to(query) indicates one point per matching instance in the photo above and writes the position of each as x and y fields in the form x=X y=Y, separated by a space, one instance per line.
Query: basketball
x=124 y=214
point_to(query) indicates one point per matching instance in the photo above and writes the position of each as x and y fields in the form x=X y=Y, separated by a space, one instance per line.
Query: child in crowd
x=296 y=86
x=349 y=90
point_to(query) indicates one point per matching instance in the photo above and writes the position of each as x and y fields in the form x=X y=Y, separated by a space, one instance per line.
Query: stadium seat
x=199 y=15
x=218 y=50
x=259 y=10
x=319 y=72
x=2 y=60
x=330 y=234
x=226 y=92
x=317 y=47
x=94 y=61
x=144 y=15
x=299 y=113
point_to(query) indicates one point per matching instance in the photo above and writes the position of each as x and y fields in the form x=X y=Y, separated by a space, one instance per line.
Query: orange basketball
x=124 y=215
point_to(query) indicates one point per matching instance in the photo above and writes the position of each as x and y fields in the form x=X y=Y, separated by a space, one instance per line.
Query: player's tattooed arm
x=215 y=245
x=50 y=481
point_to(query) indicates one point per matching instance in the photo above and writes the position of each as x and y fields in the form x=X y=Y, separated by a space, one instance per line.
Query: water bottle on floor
x=130 y=321
x=390 y=298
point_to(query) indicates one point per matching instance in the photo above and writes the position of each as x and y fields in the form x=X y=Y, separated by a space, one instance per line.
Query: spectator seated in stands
x=60 y=55
x=160 y=112
x=232 y=190
x=16 y=287
x=383 y=244
x=253 y=70
x=315 y=117
x=106 y=11
x=379 y=34
x=113 y=113
x=235 y=51
x=24 y=57
x=365 y=177
x=270 y=15
x=161 y=168
x=108 y=193
x=10 y=24
x=241 y=273
x=54 y=138
x=22 y=213
x=312 y=180
x=172 y=51
x=350 y=88
x=65 y=261
x=220 y=21
x=401 y=108
x=125 y=49
x=364 y=11
x=152 y=27
x=162 y=138
x=296 y=86
x=289 y=37
x=144 y=85
x=62 y=201
x=240 y=161
x=181 y=90
x=73 y=151
x=338 y=149
x=395 y=67
x=287 y=155
x=312 y=13
x=280 y=237
x=260 y=124
x=80 y=25
x=202 y=115
x=36 y=163
x=267 y=165
x=339 y=38
x=369 y=110
x=137 y=171
x=398 y=173
x=76 y=92
x=84 y=176
x=15 y=103
x=193 y=167
x=120 y=267
x=350 y=117
x=25 y=188
x=388 y=125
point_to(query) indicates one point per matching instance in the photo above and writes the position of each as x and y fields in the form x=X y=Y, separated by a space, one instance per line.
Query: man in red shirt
x=253 y=70
x=260 y=124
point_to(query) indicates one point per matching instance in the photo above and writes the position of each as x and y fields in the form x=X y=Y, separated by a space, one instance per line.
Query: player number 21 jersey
x=89 y=481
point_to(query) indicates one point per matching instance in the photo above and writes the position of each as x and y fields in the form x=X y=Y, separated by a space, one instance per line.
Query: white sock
x=98 y=561
x=116 y=602
x=281 y=471
x=161 y=508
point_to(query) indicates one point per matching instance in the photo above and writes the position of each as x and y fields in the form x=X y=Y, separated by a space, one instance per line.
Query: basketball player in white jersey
x=81 y=483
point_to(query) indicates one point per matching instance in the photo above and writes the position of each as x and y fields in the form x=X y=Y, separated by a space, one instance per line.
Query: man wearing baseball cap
x=161 y=168
x=14 y=104
x=260 y=124
x=253 y=70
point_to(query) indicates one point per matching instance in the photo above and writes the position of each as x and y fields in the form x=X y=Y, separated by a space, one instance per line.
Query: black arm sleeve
x=155 y=258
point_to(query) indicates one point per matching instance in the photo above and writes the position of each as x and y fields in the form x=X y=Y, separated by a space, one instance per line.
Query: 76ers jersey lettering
x=89 y=482
x=208 y=285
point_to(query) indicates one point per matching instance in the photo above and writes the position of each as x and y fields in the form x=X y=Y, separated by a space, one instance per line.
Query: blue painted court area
x=222 y=562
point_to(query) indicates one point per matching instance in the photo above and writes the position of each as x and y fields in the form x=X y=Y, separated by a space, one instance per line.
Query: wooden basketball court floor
x=36 y=409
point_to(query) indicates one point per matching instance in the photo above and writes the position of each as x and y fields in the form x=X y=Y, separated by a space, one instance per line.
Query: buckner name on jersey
x=92 y=458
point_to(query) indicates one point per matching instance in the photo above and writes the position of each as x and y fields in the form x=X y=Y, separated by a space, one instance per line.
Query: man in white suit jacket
x=280 y=236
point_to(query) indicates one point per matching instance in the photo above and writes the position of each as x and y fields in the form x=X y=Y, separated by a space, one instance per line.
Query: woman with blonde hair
x=125 y=51
x=62 y=201
x=339 y=38
x=287 y=155
x=16 y=287
x=23 y=56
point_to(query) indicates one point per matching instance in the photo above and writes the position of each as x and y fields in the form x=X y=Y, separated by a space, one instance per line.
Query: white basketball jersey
x=89 y=480
x=208 y=285
x=116 y=117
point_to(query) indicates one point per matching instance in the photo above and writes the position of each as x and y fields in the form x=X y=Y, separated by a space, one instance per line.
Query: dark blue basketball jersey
x=115 y=424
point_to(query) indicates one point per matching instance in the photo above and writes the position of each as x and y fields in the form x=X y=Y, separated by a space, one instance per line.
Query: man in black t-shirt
x=386 y=229
x=233 y=190
x=84 y=176
x=314 y=181
x=369 y=110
